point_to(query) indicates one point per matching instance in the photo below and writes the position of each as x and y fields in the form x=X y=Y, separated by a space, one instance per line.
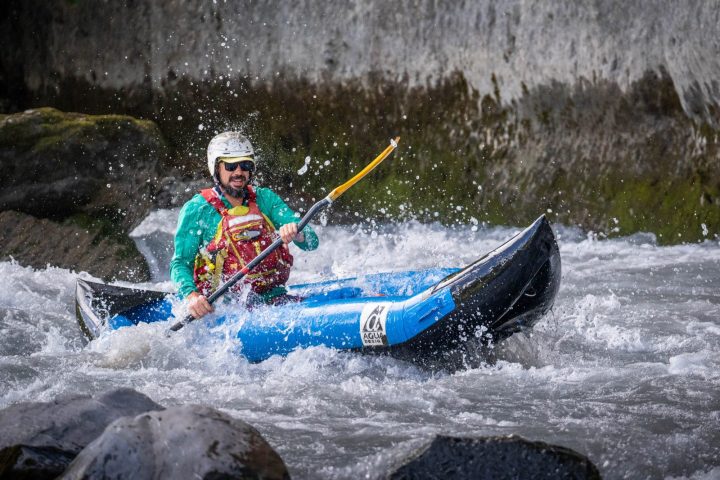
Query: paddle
x=303 y=222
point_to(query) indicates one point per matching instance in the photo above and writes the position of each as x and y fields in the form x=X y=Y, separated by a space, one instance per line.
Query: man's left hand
x=289 y=232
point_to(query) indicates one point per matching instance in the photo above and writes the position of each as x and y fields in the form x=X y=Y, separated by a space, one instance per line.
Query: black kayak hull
x=506 y=291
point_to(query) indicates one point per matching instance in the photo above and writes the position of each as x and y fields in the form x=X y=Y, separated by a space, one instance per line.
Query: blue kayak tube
x=437 y=317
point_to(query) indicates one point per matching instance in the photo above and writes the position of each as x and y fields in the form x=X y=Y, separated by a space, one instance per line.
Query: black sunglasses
x=245 y=165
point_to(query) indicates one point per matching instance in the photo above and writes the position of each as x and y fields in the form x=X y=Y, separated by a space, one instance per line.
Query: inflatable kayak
x=427 y=317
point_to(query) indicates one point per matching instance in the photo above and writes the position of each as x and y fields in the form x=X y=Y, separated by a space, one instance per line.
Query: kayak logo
x=373 y=324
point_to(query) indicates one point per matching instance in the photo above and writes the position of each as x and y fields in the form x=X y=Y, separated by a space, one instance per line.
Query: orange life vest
x=241 y=235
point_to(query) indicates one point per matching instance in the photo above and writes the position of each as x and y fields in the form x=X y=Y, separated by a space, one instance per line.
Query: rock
x=39 y=242
x=174 y=192
x=39 y=440
x=181 y=442
x=91 y=176
x=55 y=164
x=494 y=458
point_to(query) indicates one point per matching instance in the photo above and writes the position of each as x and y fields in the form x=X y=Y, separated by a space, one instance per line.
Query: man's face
x=233 y=182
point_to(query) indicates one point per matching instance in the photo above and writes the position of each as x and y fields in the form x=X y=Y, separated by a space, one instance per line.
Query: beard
x=234 y=192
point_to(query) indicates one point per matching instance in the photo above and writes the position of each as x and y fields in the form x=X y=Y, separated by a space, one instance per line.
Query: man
x=223 y=228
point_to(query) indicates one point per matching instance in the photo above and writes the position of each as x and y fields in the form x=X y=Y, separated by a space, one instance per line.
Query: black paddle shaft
x=255 y=261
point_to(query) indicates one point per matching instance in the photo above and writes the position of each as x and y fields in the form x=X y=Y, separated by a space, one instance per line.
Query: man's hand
x=198 y=305
x=289 y=232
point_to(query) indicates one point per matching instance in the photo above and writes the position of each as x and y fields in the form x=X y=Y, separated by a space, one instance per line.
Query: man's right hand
x=198 y=305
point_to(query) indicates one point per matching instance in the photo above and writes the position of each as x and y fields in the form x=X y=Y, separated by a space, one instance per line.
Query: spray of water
x=624 y=369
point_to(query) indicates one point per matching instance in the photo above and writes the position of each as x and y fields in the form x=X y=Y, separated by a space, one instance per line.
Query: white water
x=625 y=370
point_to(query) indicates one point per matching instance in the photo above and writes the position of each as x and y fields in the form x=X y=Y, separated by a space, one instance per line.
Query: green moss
x=101 y=225
x=104 y=225
x=461 y=156
x=437 y=151
x=611 y=161
x=46 y=129
x=673 y=209
x=110 y=123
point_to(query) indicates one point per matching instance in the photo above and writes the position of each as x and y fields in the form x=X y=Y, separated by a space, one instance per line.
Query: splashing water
x=625 y=369
x=303 y=170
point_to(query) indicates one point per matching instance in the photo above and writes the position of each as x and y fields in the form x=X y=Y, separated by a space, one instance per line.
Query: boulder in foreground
x=189 y=441
x=494 y=458
x=39 y=439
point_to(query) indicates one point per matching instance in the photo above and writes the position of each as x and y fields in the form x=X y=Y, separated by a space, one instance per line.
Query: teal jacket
x=198 y=222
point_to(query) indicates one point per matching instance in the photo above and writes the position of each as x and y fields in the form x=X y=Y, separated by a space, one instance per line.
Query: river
x=625 y=369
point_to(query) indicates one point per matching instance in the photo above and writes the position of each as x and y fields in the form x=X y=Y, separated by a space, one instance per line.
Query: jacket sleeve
x=187 y=243
x=280 y=214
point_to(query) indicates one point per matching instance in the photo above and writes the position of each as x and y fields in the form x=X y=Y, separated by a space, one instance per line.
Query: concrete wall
x=128 y=44
x=605 y=112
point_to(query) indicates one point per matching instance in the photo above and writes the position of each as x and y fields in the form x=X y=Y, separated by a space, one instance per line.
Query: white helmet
x=228 y=144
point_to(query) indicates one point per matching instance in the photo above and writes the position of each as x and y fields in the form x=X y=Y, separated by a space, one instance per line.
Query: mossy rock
x=57 y=164
x=80 y=244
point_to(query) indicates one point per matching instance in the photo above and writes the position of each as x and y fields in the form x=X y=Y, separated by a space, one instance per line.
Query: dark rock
x=494 y=458
x=55 y=164
x=181 y=442
x=174 y=192
x=39 y=440
x=39 y=242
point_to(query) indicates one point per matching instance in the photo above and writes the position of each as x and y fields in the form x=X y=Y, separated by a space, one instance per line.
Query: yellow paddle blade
x=342 y=188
